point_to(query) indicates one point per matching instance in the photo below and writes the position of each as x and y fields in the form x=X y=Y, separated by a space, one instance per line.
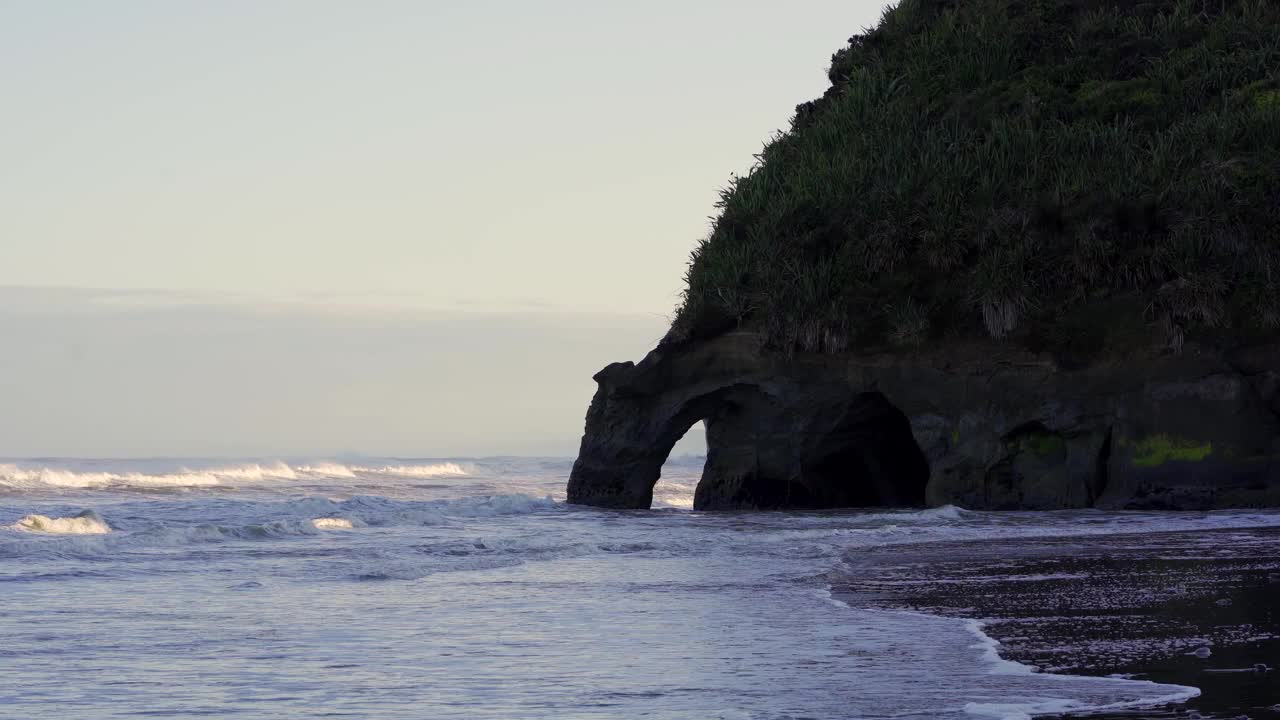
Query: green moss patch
x=1043 y=444
x=1268 y=100
x=1105 y=99
x=1156 y=450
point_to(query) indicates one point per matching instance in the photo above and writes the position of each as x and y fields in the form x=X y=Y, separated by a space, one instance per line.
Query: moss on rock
x=1045 y=444
x=1156 y=450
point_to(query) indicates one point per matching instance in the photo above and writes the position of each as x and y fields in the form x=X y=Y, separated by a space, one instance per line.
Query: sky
x=305 y=227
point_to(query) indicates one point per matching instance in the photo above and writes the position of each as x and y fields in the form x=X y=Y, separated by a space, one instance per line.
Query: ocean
x=467 y=588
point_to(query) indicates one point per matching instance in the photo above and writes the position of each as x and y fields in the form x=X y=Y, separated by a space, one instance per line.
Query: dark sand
x=1199 y=609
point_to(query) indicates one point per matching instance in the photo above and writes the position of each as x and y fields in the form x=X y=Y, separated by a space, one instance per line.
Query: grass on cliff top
x=1002 y=167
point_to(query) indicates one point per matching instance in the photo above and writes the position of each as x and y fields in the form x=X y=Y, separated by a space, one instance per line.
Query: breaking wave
x=260 y=521
x=332 y=524
x=417 y=471
x=14 y=477
x=86 y=523
x=367 y=511
x=17 y=478
x=340 y=470
x=327 y=469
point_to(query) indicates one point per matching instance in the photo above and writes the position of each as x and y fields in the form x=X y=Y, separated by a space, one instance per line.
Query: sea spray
x=328 y=523
x=85 y=523
x=15 y=478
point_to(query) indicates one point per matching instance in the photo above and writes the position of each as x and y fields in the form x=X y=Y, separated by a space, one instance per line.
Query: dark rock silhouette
x=1019 y=255
x=982 y=425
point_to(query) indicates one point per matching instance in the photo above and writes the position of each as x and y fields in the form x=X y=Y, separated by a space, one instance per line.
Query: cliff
x=1022 y=254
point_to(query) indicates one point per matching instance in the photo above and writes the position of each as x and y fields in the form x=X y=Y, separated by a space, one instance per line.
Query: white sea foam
x=1023 y=711
x=256 y=472
x=85 y=523
x=269 y=521
x=339 y=470
x=990 y=648
x=417 y=471
x=380 y=512
x=328 y=523
x=1056 y=707
x=327 y=469
x=945 y=513
x=1156 y=694
x=14 y=477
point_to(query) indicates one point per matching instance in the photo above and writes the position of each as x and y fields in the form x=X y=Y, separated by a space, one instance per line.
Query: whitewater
x=467 y=588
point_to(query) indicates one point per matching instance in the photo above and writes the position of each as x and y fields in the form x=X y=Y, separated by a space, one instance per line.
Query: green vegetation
x=1044 y=444
x=1156 y=450
x=1006 y=168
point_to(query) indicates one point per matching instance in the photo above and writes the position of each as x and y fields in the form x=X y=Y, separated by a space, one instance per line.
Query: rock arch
x=1000 y=428
x=772 y=441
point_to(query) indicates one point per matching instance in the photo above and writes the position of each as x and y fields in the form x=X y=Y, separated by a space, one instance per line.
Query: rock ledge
x=981 y=425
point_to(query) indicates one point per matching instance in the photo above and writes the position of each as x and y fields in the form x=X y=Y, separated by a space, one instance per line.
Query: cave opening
x=867 y=457
x=839 y=450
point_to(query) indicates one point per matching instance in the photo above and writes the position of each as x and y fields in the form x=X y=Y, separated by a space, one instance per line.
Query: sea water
x=389 y=588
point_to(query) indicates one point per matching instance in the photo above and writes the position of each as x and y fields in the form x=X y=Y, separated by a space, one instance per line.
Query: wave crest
x=274 y=521
x=328 y=523
x=418 y=471
x=18 y=478
x=85 y=523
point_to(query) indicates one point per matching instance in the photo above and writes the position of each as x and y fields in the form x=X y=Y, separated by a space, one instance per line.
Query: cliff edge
x=1021 y=254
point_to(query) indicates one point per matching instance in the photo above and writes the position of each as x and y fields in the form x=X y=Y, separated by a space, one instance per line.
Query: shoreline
x=1199 y=609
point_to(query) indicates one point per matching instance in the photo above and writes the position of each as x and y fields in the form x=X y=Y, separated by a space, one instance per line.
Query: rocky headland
x=1023 y=254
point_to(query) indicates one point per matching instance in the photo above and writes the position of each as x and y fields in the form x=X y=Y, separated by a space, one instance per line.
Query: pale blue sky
x=308 y=168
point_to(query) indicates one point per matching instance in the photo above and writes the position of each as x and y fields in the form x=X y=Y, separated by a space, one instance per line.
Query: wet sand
x=1193 y=608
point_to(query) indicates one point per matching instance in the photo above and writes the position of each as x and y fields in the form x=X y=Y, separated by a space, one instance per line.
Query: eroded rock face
x=977 y=426
x=823 y=446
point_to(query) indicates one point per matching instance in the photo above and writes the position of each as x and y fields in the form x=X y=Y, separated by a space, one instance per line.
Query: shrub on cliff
x=1013 y=168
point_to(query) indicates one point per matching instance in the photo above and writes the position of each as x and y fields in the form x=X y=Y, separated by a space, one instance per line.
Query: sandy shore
x=1199 y=609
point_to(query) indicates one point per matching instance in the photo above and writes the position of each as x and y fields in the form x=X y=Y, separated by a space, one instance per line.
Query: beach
x=1200 y=608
